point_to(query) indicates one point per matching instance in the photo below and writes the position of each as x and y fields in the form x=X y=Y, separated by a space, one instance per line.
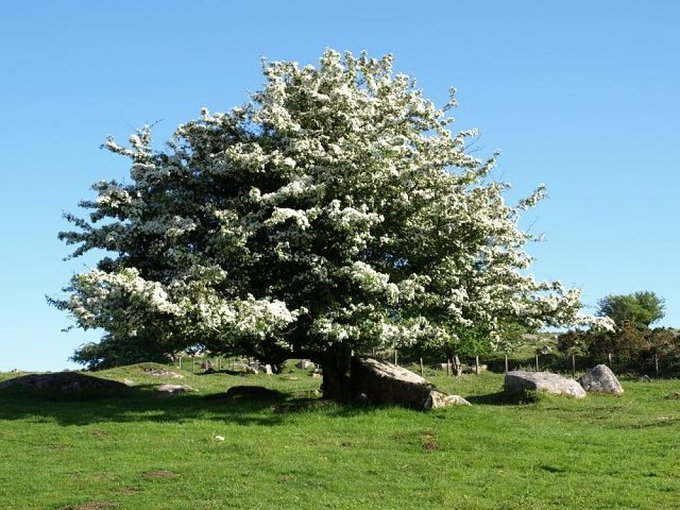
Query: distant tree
x=639 y=309
x=335 y=212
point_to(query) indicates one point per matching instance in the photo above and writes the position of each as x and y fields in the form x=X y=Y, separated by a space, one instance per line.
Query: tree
x=333 y=213
x=639 y=309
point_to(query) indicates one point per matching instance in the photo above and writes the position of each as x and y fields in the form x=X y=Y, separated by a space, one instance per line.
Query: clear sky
x=582 y=96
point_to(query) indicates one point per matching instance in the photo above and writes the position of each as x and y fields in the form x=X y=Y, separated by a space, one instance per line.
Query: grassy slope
x=152 y=451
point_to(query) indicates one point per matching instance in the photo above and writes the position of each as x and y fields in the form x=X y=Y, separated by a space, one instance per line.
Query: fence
x=653 y=365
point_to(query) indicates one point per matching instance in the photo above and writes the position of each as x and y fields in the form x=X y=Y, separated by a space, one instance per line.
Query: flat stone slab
x=517 y=382
x=600 y=379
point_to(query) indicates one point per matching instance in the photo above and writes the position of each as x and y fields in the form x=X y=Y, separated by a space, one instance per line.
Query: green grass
x=151 y=451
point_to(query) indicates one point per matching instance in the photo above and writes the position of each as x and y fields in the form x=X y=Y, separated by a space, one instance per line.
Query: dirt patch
x=425 y=439
x=430 y=443
x=130 y=490
x=92 y=505
x=159 y=474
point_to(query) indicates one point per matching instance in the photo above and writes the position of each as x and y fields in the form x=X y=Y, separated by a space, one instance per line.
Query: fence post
x=573 y=365
x=476 y=364
x=506 y=363
x=396 y=357
x=609 y=357
x=422 y=370
x=656 y=364
x=537 y=363
x=447 y=367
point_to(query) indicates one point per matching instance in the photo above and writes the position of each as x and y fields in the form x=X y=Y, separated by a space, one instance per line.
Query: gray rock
x=518 y=382
x=386 y=383
x=174 y=389
x=600 y=379
x=304 y=364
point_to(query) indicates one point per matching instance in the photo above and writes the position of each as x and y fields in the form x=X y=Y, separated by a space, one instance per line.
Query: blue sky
x=582 y=96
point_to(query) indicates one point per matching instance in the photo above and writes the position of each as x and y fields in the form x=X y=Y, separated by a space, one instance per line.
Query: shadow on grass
x=503 y=399
x=243 y=405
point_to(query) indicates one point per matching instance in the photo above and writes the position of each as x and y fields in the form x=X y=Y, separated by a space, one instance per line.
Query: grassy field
x=146 y=450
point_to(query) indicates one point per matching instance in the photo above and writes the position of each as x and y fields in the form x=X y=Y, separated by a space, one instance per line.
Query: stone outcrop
x=517 y=382
x=383 y=383
x=600 y=379
x=66 y=383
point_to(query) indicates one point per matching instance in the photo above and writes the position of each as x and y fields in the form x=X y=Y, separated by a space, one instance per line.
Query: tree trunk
x=457 y=367
x=336 y=366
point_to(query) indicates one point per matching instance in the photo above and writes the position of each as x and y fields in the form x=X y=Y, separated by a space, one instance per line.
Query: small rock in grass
x=163 y=373
x=174 y=389
x=438 y=399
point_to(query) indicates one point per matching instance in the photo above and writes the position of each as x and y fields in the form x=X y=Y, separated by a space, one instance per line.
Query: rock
x=518 y=382
x=163 y=373
x=645 y=378
x=471 y=369
x=439 y=399
x=251 y=370
x=386 y=383
x=304 y=364
x=600 y=379
x=66 y=382
x=316 y=375
x=174 y=389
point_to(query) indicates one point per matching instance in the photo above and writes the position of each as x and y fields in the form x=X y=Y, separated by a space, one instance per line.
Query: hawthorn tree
x=335 y=212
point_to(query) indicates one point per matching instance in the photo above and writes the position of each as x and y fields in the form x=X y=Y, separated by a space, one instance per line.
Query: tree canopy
x=638 y=309
x=333 y=212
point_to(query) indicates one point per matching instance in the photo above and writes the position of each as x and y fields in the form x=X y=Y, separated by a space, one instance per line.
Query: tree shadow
x=502 y=398
x=140 y=404
x=242 y=405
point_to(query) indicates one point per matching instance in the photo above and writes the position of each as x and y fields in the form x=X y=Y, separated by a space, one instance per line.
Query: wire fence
x=653 y=365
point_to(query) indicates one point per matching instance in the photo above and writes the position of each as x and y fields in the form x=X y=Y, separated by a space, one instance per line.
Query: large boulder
x=600 y=379
x=517 y=382
x=384 y=383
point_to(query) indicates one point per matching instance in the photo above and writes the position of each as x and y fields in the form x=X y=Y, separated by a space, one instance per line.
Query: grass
x=153 y=451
